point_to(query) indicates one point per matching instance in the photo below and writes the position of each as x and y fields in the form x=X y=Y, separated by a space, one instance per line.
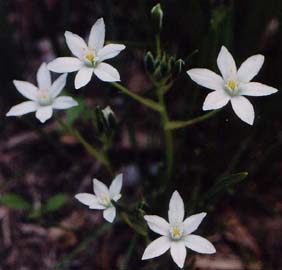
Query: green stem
x=137 y=228
x=169 y=155
x=181 y=124
x=158 y=45
x=129 y=253
x=145 y=101
x=100 y=156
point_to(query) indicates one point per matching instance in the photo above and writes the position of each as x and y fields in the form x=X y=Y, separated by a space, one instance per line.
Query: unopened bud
x=149 y=62
x=157 y=17
x=109 y=117
x=178 y=66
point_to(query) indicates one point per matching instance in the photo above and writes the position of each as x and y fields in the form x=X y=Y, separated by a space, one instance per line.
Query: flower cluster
x=176 y=234
x=88 y=59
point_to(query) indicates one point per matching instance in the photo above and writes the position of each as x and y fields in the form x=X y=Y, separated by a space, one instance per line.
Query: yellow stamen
x=44 y=97
x=106 y=201
x=176 y=233
x=232 y=85
x=90 y=57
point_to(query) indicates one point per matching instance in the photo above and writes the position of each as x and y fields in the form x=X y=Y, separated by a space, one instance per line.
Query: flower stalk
x=138 y=229
x=99 y=155
x=168 y=139
x=171 y=125
x=145 y=101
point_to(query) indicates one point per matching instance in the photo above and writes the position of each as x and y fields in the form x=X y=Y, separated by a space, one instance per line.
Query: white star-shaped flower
x=233 y=85
x=102 y=200
x=89 y=57
x=176 y=235
x=44 y=98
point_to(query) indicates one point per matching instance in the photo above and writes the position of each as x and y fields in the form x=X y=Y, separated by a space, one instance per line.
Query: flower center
x=90 y=57
x=106 y=201
x=231 y=85
x=44 y=98
x=176 y=232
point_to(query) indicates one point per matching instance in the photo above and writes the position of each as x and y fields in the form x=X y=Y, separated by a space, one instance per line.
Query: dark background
x=38 y=161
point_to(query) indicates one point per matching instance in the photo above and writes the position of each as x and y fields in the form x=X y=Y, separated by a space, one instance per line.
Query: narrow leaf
x=225 y=183
x=14 y=201
x=55 y=203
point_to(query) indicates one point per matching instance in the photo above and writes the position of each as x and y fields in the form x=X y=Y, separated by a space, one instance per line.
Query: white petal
x=22 y=108
x=106 y=73
x=109 y=214
x=256 y=89
x=156 y=248
x=215 y=100
x=44 y=113
x=226 y=64
x=97 y=35
x=58 y=85
x=178 y=253
x=199 y=244
x=250 y=68
x=116 y=197
x=83 y=77
x=64 y=102
x=192 y=223
x=27 y=89
x=157 y=224
x=115 y=187
x=76 y=44
x=89 y=200
x=43 y=77
x=65 y=64
x=206 y=78
x=100 y=189
x=176 y=209
x=244 y=109
x=110 y=51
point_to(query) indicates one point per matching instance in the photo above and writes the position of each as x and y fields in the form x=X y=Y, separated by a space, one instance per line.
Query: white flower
x=43 y=99
x=89 y=57
x=102 y=200
x=233 y=85
x=176 y=235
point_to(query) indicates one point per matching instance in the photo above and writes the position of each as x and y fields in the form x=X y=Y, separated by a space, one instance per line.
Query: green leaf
x=225 y=183
x=14 y=201
x=56 y=202
x=78 y=111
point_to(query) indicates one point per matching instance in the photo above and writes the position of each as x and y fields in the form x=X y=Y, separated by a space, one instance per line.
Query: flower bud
x=157 y=17
x=105 y=120
x=110 y=117
x=149 y=62
x=178 y=66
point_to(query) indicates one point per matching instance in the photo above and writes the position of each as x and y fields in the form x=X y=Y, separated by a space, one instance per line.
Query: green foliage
x=55 y=202
x=162 y=67
x=17 y=202
x=14 y=201
x=224 y=184
x=219 y=15
x=80 y=112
